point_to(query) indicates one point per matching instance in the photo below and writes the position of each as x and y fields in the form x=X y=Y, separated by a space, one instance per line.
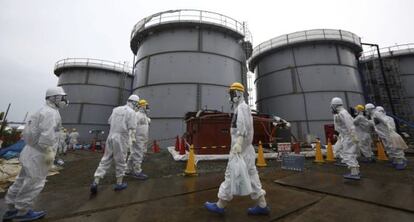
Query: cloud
x=36 y=34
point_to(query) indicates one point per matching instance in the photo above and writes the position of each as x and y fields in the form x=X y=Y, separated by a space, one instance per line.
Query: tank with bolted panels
x=184 y=61
x=298 y=74
x=94 y=87
x=398 y=62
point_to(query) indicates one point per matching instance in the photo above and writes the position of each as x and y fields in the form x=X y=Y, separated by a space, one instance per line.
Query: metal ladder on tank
x=406 y=120
x=398 y=94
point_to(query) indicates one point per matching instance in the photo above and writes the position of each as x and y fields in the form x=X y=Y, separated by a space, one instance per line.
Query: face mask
x=233 y=96
x=60 y=101
x=365 y=113
x=132 y=104
x=63 y=104
x=356 y=112
x=333 y=109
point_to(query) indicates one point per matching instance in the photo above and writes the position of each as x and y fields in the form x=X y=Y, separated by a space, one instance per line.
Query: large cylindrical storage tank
x=398 y=64
x=298 y=74
x=184 y=61
x=94 y=87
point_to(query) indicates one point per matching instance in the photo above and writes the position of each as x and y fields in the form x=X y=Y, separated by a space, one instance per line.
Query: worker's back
x=122 y=119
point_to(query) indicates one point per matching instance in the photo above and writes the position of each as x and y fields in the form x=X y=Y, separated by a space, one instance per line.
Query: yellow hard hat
x=237 y=86
x=74 y=129
x=143 y=102
x=360 y=108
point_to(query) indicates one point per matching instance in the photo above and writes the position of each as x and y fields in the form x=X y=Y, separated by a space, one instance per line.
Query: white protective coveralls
x=121 y=121
x=363 y=129
x=343 y=122
x=73 y=139
x=41 y=135
x=139 y=147
x=62 y=147
x=242 y=125
x=338 y=147
x=385 y=129
x=397 y=141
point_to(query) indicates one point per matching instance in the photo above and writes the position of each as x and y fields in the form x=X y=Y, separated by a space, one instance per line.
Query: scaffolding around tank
x=398 y=67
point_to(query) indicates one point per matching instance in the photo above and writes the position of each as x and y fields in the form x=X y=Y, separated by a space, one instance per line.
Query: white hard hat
x=380 y=109
x=337 y=101
x=369 y=106
x=55 y=91
x=134 y=98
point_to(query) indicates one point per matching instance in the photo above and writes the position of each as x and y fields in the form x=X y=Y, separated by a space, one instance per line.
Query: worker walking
x=41 y=135
x=73 y=139
x=344 y=125
x=122 y=125
x=398 y=145
x=363 y=129
x=241 y=176
x=338 y=150
x=393 y=143
x=62 y=148
x=138 y=148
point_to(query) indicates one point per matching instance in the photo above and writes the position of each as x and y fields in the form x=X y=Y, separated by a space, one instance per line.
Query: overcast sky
x=36 y=34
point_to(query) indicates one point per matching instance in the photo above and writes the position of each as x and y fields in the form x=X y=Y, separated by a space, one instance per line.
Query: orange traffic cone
x=380 y=151
x=190 y=170
x=318 y=153
x=182 y=146
x=177 y=143
x=261 y=162
x=155 y=147
x=329 y=152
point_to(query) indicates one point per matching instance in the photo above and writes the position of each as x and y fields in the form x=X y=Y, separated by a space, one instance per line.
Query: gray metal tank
x=398 y=62
x=298 y=74
x=184 y=61
x=94 y=88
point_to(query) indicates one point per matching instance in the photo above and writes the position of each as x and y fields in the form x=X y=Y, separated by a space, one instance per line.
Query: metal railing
x=389 y=51
x=409 y=124
x=304 y=36
x=192 y=15
x=96 y=63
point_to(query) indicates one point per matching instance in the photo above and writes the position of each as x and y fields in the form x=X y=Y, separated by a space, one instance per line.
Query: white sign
x=284 y=147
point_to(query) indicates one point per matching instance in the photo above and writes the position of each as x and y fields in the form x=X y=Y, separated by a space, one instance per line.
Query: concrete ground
x=317 y=194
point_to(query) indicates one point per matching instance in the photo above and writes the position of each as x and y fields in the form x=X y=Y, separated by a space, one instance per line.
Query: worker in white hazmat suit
x=393 y=143
x=62 y=148
x=363 y=129
x=139 y=147
x=122 y=126
x=344 y=125
x=338 y=151
x=370 y=109
x=73 y=138
x=241 y=146
x=41 y=135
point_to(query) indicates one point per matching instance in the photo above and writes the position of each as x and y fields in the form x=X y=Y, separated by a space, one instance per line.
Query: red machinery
x=330 y=133
x=209 y=132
